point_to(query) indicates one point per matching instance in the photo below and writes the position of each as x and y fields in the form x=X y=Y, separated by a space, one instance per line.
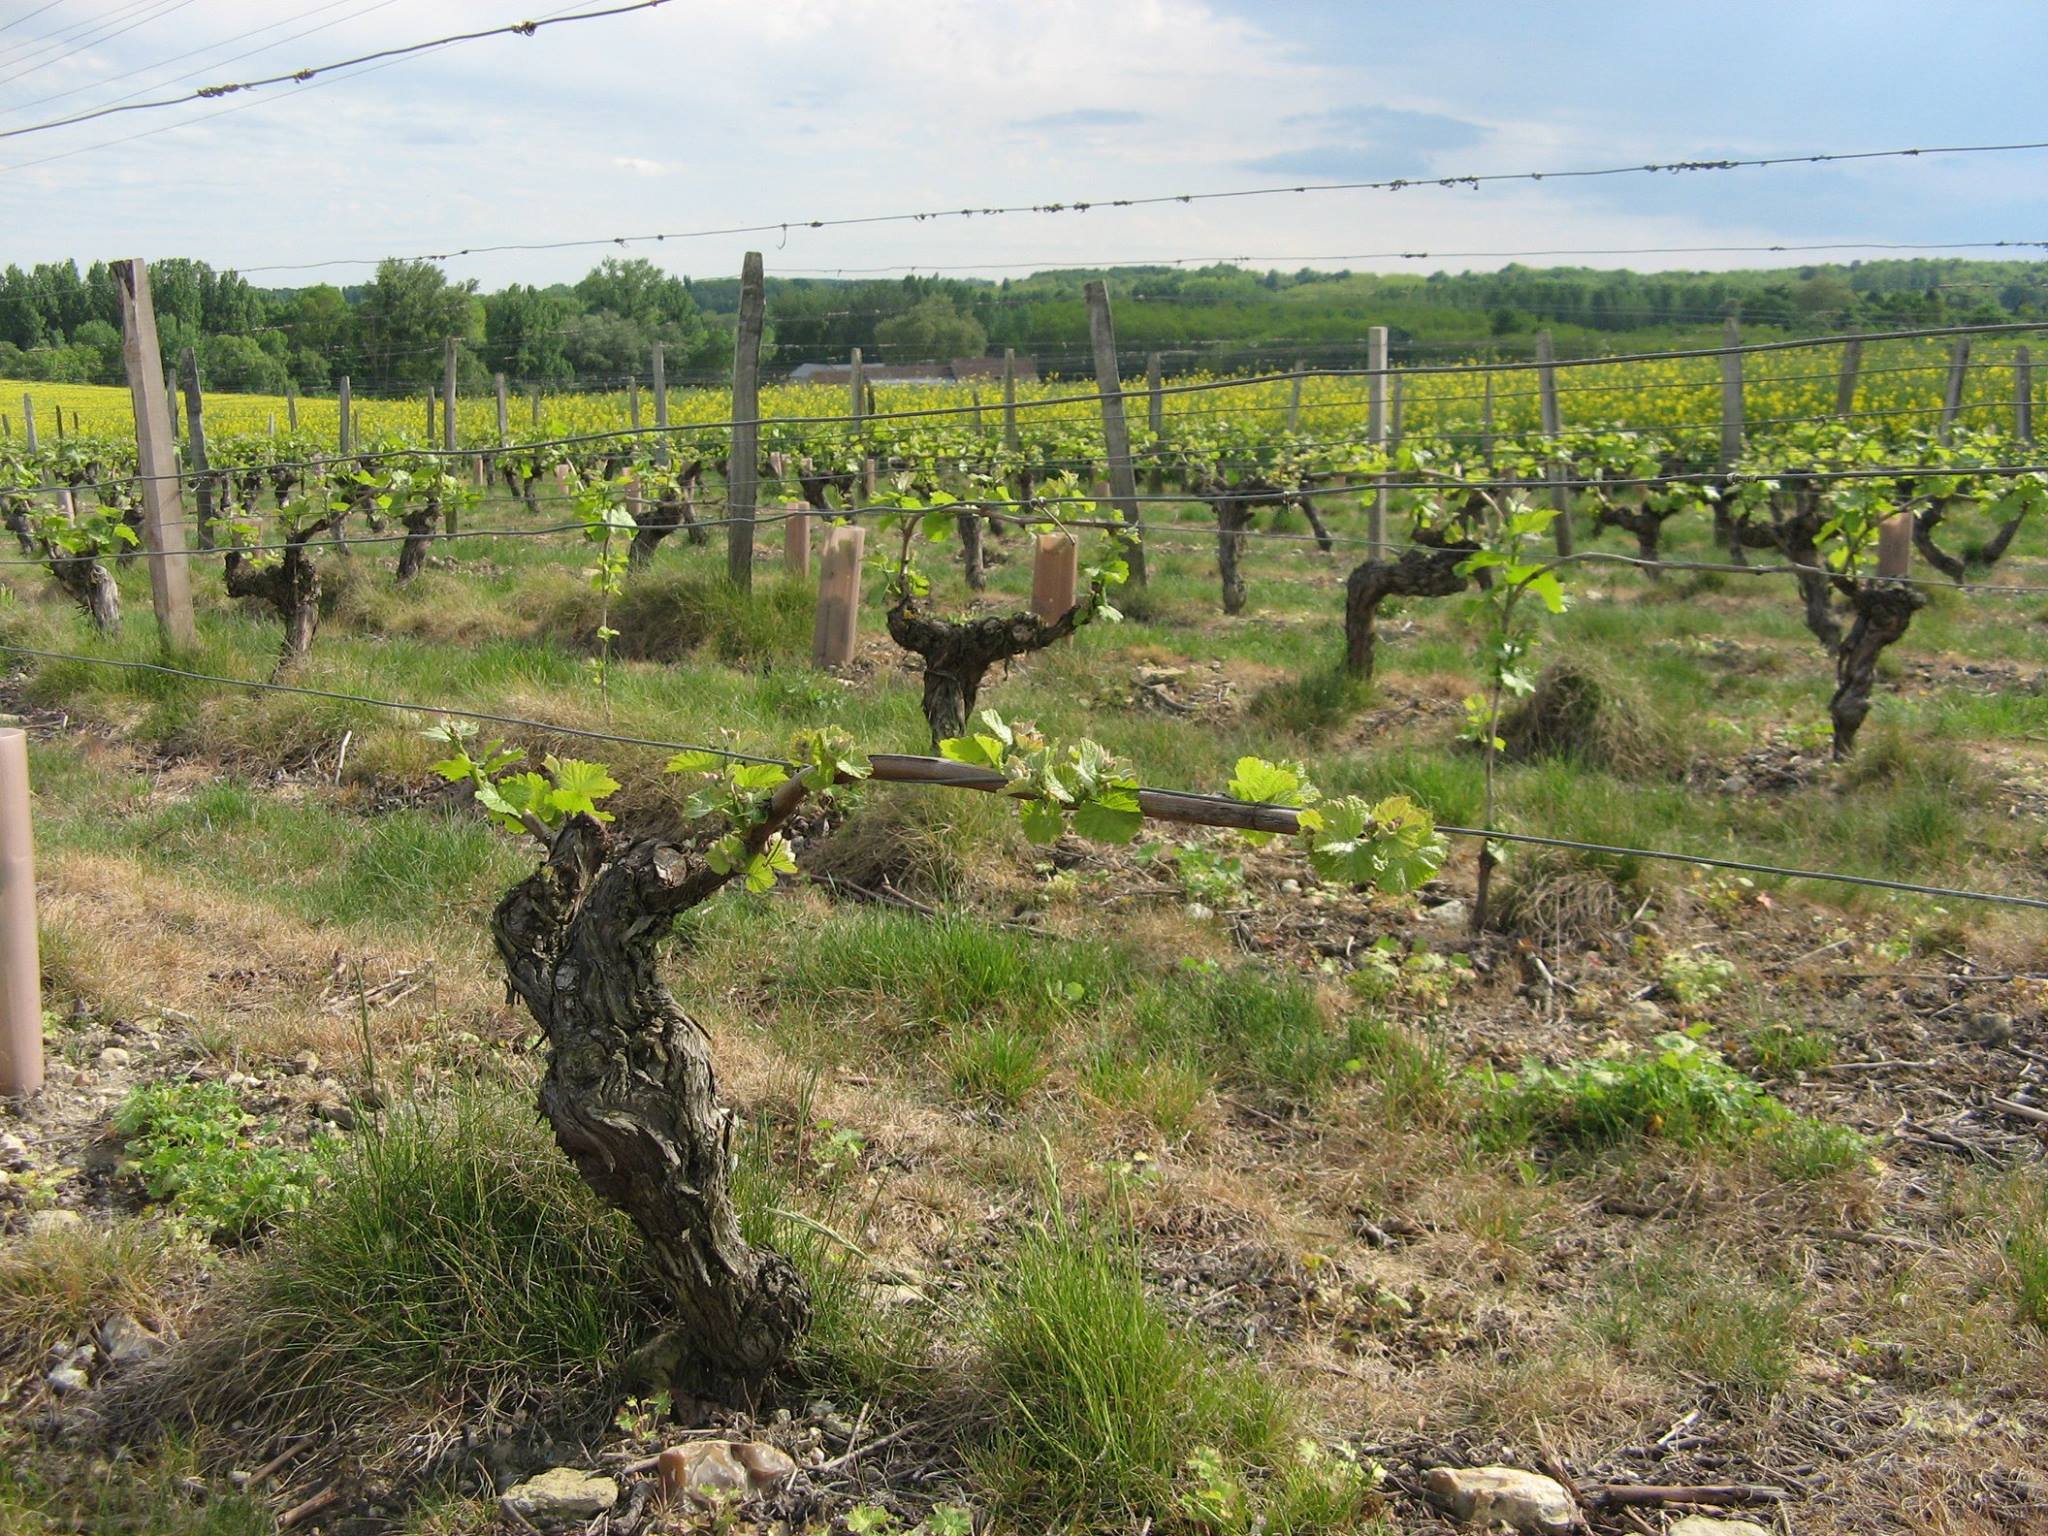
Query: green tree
x=407 y=313
x=930 y=330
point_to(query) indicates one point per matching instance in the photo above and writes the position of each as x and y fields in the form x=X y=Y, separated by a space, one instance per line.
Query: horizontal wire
x=1084 y=205
x=1670 y=855
x=299 y=76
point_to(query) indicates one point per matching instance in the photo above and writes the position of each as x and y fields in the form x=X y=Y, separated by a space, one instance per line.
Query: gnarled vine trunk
x=18 y=509
x=957 y=656
x=1797 y=535
x=421 y=524
x=632 y=1097
x=291 y=587
x=673 y=509
x=91 y=586
x=1646 y=525
x=1417 y=573
x=1883 y=609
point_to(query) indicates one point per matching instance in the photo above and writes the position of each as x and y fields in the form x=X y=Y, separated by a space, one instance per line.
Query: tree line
x=61 y=323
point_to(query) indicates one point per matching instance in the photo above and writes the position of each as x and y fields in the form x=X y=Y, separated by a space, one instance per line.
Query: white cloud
x=712 y=113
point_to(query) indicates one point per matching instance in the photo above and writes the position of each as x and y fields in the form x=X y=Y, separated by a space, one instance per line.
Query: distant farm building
x=959 y=371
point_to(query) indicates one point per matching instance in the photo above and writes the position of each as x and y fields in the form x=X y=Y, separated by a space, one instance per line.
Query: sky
x=707 y=114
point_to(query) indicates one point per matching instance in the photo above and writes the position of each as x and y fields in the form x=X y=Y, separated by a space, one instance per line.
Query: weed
x=188 y=1144
x=1413 y=971
x=1681 y=1090
x=1696 y=979
x=1780 y=1050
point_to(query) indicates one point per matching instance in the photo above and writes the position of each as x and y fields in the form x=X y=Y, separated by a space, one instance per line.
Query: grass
x=166 y=1495
x=456 y=1270
x=1108 y=1411
x=56 y=1286
x=1690 y=1312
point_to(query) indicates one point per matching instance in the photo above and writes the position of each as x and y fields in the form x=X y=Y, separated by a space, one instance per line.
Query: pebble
x=13 y=1151
x=305 y=1064
x=56 y=1219
x=126 y=1341
x=1451 y=914
x=113 y=1059
x=67 y=1378
x=723 y=1466
x=561 y=1496
x=1706 y=1525
x=1486 y=1496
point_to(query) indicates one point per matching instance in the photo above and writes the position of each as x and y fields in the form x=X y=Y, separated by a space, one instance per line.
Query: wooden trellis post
x=1376 y=431
x=163 y=508
x=743 y=462
x=1553 y=428
x=1116 y=436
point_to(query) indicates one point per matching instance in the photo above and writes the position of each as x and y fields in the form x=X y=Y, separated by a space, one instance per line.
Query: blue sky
x=707 y=113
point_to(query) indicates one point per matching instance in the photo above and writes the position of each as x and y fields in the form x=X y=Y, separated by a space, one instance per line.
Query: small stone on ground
x=1486 y=1496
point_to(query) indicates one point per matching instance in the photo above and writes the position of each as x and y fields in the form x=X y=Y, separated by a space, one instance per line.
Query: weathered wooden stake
x=1731 y=394
x=504 y=420
x=291 y=407
x=832 y=640
x=1486 y=422
x=633 y=404
x=21 y=971
x=1055 y=572
x=796 y=544
x=28 y=423
x=1845 y=384
x=1116 y=436
x=1895 y=545
x=2023 y=394
x=743 y=463
x=659 y=364
x=171 y=399
x=428 y=440
x=1010 y=398
x=195 y=445
x=856 y=390
x=449 y=357
x=345 y=440
x=1553 y=427
x=1376 y=431
x=1952 y=396
x=1294 y=398
x=533 y=396
x=163 y=507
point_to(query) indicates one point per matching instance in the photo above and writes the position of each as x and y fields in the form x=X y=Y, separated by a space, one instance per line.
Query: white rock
x=1705 y=1525
x=67 y=1378
x=1452 y=914
x=113 y=1058
x=702 y=1467
x=13 y=1151
x=766 y=1466
x=126 y=1341
x=561 y=1496
x=1528 y=1501
x=56 y=1219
